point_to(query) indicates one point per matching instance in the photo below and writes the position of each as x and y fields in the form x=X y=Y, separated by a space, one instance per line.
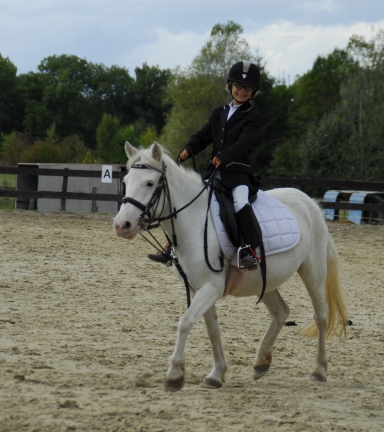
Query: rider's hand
x=216 y=161
x=183 y=155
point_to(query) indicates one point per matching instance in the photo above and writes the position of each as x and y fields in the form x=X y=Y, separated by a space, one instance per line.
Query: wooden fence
x=64 y=194
x=301 y=183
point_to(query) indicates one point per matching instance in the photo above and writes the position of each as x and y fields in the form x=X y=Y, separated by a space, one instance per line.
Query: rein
x=148 y=221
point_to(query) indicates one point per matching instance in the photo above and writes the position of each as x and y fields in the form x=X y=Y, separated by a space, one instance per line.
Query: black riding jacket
x=233 y=141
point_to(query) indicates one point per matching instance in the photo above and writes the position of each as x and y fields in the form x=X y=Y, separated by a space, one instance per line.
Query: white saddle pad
x=279 y=228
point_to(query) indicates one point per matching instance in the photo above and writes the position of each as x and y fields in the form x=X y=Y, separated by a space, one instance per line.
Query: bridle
x=148 y=220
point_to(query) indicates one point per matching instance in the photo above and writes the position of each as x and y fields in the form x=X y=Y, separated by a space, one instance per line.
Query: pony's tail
x=334 y=294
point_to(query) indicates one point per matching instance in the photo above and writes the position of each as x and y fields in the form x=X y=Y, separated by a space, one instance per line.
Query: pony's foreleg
x=216 y=377
x=205 y=298
x=278 y=311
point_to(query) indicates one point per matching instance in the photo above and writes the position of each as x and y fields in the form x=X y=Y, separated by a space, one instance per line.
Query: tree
x=74 y=94
x=148 y=96
x=348 y=141
x=67 y=94
x=313 y=130
x=318 y=91
x=362 y=96
x=11 y=102
x=37 y=118
x=272 y=104
x=45 y=151
x=110 y=140
x=113 y=93
x=13 y=146
x=225 y=47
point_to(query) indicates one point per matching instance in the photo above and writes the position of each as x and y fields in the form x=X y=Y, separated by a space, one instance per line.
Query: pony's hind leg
x=278 y=311
x=216 y=377
x=314 y=280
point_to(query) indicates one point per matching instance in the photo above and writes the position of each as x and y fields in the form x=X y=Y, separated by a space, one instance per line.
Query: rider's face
x=241 y=92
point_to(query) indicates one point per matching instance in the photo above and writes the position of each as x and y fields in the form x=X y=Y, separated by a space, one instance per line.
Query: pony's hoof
x=174 y=385
x=210 y=383
x=260 y=371
x=317 y=377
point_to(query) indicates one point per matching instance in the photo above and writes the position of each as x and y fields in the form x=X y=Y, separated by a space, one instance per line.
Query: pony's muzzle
x=122 y=229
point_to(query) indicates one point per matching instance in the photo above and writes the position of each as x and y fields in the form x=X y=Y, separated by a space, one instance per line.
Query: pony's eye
x=150 y=183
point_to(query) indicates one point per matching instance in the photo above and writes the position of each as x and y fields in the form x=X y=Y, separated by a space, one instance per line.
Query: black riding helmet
x=244 y=72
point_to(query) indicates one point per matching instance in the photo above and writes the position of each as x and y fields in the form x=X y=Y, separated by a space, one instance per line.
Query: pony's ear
x=156 y=151
x=130 y=150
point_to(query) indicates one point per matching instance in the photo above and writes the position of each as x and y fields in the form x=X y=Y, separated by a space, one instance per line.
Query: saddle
x=227 y=216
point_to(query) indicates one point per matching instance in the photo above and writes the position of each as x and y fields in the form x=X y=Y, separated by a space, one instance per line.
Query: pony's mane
x=145 y=155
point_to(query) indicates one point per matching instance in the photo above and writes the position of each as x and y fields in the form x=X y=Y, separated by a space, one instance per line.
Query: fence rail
x=324 y=183
x=65 y=172
x=352 y=206
x=60 y=195
x=266 y=181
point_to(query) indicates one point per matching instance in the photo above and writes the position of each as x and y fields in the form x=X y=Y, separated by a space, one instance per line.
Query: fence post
x=94 y=202
x=64 y=190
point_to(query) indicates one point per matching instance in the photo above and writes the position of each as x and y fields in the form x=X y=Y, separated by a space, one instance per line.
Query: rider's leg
x=244 y=219
x=162 y=257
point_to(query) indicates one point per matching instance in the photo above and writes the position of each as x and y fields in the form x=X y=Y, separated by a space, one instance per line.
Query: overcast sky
x=289 y=34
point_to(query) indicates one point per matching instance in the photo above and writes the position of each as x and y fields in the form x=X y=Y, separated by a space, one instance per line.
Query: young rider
x=232 y=130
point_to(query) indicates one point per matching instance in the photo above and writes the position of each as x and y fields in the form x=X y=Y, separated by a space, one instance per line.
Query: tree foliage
x=148 y=97
x=13 y=146
x=334 y=120
x=348 y=141
x=11 y=102
x=73 y=94
x=328 y=123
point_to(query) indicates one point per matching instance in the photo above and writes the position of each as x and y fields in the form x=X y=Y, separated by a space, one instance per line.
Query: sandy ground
x=88 y=324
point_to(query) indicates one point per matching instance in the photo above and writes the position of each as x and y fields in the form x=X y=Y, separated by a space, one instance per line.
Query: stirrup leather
x=253 y=266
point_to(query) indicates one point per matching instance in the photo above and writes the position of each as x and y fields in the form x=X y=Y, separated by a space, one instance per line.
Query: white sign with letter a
x=106 y=174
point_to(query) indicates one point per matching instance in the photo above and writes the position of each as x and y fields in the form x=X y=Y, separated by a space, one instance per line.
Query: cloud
x=290 y=49
x=287 y=48
x=167 y=50
x=170 y=33
x=328 y=6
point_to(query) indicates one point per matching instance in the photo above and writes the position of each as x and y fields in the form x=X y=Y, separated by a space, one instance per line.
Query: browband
x=140 y=166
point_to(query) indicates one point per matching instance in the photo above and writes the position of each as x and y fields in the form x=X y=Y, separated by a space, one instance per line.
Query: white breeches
x=239 y=194
x=240 y=197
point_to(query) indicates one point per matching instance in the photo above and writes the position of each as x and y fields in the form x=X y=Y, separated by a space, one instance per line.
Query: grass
x=7 y=203
x=7 y=181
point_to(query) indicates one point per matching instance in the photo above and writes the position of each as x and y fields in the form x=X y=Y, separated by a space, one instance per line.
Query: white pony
x=314 y=258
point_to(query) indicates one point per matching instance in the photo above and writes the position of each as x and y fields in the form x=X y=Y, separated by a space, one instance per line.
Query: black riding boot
x=246 y=229
x=163 y=257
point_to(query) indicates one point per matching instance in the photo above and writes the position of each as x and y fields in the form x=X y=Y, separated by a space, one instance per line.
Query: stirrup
x=246 y=249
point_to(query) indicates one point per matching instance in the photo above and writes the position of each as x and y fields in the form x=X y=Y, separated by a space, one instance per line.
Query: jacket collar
x=238 y=114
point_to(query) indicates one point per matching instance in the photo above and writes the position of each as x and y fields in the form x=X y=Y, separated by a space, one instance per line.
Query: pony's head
x=145 y=171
